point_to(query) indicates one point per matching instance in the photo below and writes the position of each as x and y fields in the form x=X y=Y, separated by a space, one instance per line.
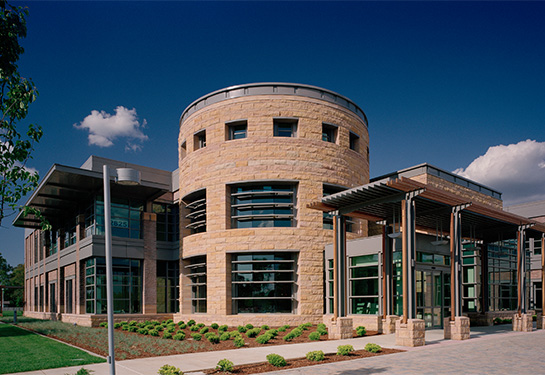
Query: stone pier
x=457 y=329
x=523 y=323
x=411 y=333
x=342 y=328
x=389 y=324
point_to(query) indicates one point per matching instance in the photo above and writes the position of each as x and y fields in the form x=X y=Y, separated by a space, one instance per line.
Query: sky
x=459 y=85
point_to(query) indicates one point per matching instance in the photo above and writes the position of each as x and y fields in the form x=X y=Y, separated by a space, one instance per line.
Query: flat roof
x=273 y=88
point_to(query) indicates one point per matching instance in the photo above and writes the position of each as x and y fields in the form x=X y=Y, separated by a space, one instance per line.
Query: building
x=270 y=175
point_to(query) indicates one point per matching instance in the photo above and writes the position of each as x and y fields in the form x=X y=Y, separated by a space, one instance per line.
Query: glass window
x=195 y=203
x=364 y=284
x=126 y=217
x=285 y=127
x=167 y=286
x=502 y=275
x=168 y=221
x=197 y=275
x=199 y=140
x=263 y=283
x=329 y=133
x=354 y=142
x=263 y=205
x=237 y=130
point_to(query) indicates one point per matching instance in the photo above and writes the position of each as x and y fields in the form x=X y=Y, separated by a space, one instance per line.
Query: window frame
x=199 y=139
x=231 y=129
x=333 y=136
x=278 y=122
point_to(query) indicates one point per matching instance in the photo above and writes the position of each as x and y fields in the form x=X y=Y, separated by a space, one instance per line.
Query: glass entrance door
x=430 y=298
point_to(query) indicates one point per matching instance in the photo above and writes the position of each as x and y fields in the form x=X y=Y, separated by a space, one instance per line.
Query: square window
x=285 y=128
x=354 y=141
x=199 y=140
x=237 y=129
x=329 y=133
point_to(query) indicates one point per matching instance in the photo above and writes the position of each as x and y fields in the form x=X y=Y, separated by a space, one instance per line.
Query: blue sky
x=455 y=84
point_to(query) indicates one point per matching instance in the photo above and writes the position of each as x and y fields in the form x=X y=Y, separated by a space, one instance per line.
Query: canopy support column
x=339 y=266
x=456 y=260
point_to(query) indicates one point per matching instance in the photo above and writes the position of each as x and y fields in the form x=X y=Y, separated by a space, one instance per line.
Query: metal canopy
x=380 y=201
x=65 y=191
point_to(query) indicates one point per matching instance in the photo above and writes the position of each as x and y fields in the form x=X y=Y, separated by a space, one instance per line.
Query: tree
x=16 y=94
x=17 y=278
x=5 y=271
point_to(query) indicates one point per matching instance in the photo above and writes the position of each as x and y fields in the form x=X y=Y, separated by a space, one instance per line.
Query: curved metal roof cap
x=273 y=88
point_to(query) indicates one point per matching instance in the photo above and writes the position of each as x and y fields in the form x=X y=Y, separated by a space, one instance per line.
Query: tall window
x=168 y=221
x=196 y=204
x=502 y=275
x=470 y=279
x=263 y=282
x=364 y=289
x=199 y=140
x=127 y=285
x=126 y=217
x=197 y=275
x=52 y=299
x=327 y=220
x=263 y=205
x=68 y=299
x=237 y=129
x=285 y=127
x=167 y=286
x=329 y=133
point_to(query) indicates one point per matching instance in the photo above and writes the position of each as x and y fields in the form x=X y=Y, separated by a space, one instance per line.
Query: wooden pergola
x=422 y=207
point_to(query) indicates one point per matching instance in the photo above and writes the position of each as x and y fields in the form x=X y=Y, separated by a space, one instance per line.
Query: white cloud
x=516 y=170
x=105 y=128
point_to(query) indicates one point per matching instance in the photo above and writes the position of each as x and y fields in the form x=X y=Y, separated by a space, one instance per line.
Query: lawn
x=21 y=350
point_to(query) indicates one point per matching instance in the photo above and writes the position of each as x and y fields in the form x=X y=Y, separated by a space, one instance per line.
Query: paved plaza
x=491 y=350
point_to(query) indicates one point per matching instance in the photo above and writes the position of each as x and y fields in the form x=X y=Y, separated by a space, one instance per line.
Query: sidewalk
x=438 y=356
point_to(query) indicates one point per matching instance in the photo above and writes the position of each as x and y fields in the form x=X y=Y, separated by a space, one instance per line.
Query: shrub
x=105 y=324
x=153 y=332
x=264 y=338
x=200 y=325
x=224 y=365
x=170 y=370
x=179 y=323
x=155 y=322
x=345 y=349
x=149 y=327
x=83 y=371
x=213 y=338
x=179 y=336
x=183 y=326
x=170 y=329
x=167 y=335
x=147 y=323
x=290 y=336
x=283 y=328
x=249 y=326
x=321 y=329
x=234 y=334
x=253 y=332
x=316 y=355
x=314 y=336
x=242 y=329
x=203 y=330
x=140 y=324
x=305 y=326
x=222 y=328
x=196 y=336
x=143 y=331
x=125 y=327
x=169 y=321
x=238 y=342
x=276 y=360
x=373 y=348
x=117 y=325
x=360 y=331
x=214 y=325
x=194 y=328
x=191 y=322
x=159 y=327
x=132 y=323
x=297 y=332
x=225 y=336
x=273 y=332
x=133 y=328
x=265 y=327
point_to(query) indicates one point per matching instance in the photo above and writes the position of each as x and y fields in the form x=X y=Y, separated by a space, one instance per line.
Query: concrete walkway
x=491 y=350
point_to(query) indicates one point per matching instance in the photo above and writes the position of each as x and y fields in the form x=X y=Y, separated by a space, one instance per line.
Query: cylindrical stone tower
x=251 y=158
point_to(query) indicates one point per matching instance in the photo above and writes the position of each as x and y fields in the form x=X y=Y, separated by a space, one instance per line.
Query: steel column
x=456 y=259
x=386 y=272
x=521 y=268
x=339 y=267
x=543 y=274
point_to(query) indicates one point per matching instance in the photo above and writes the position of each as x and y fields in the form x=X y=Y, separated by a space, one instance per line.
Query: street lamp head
x=128 y=176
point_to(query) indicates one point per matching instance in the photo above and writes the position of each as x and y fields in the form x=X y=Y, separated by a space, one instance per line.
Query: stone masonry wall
x=261 y=156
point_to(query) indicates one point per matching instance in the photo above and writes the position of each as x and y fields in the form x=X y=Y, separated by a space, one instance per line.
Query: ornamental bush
x=125 y=327
x=133 y=328
x=213 y=338
x=273 y=332
x=234 y=334
x=196 y=336
x=276 y=360
x=321 y=329
x=170 y=370
x=238 y=341
x=314 y=336
x=194 y=328
x=225 y=365
x=290 y=336
x=242 y=329
x=117 y=325
x=264 y=338
x=283 y=328
x=373 y=348
x=203 y=330
x=297 y=332
x=140 y=324
x=179 y=323
x=179 y=336
x=169 y=321
x=167 y=335
x=182 y=326
x=253 y=332
x=345 y=349
x=265 y=327
x=155 y=322
x=305 y=326
x=200 y=325
x=223 y=328
x=360 y=331
x=225 y=336
x=105 y=324
x=191 y=322
x=214 y=325
x=132 y=323
x=143 y=331
x=153 y=332
x=249 y=326
x=316 y=355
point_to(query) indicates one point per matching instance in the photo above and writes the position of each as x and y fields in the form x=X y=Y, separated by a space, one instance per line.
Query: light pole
x=124 y=176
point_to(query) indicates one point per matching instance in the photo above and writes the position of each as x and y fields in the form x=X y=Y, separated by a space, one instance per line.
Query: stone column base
x=540 y=320
x=342 y=328
x=411 y=333
x=523 y=323
x=389 y=324
x=457 y=329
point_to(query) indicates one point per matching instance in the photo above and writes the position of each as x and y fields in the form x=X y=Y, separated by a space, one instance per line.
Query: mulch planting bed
x=261 y=367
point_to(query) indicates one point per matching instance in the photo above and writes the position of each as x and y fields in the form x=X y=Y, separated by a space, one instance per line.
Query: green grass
x=21 y=350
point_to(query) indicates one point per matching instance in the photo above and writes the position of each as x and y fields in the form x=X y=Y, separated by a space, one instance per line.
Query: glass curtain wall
x=197 y=275
x=167 y=286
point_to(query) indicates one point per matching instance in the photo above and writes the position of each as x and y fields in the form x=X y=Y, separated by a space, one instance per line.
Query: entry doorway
x=432 y=296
